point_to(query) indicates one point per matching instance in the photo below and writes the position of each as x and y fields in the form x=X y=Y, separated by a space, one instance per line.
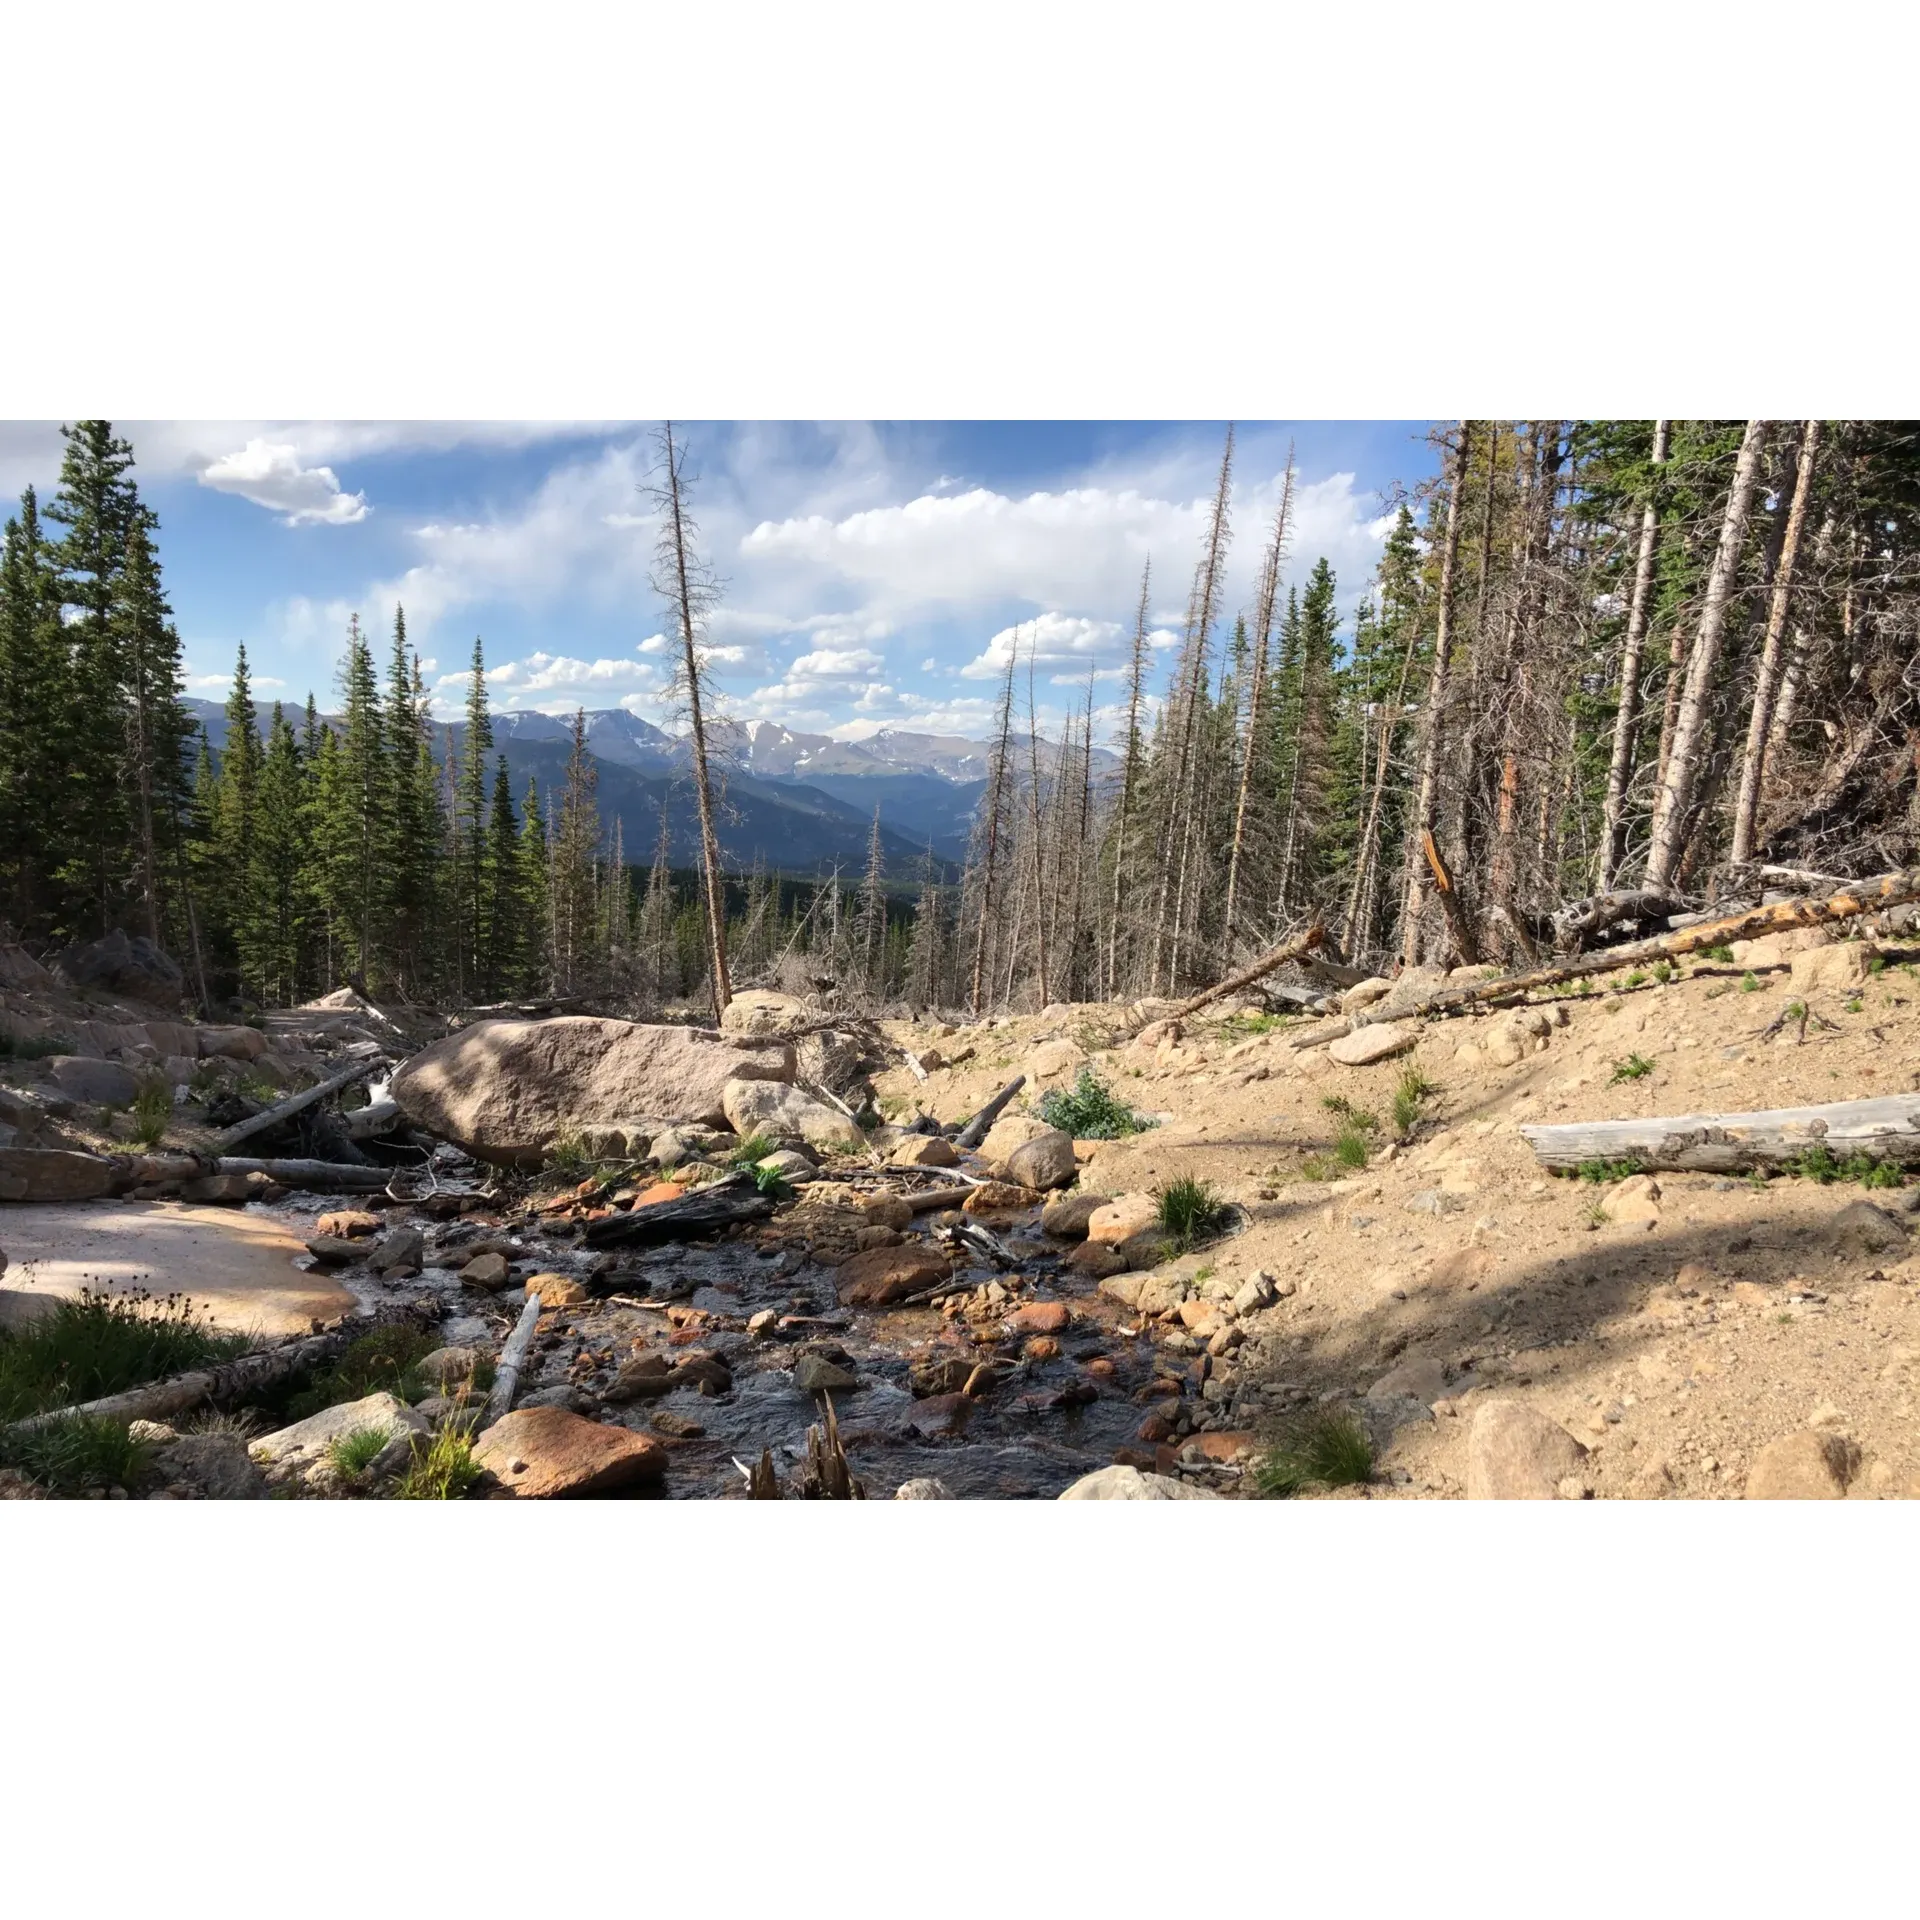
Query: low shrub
x=1088 y=1110
x=1190 y=1212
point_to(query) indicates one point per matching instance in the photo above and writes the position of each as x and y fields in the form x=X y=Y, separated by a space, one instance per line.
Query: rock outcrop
x=504 y=1089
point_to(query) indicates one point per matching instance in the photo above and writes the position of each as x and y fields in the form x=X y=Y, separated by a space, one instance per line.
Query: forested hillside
x=1596 y=658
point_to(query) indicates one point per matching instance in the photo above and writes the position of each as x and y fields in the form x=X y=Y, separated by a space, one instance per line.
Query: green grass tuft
x=1354 y=1117
x=1636 y=1066
x=353 y=1453
x=770 y=1181
x=1323 y=1448
x=1601 y=1171
x=1190 y=1211
x=152 y=1110
x=1820 y=1165
x=753 y=1149
x=1350 y=1147
x=1088 y=1110
x=567 y=1156
x=74 y=1455
x=1410 y=1093
x=443 y=1469
x=1722 y=953
x=101 y=1343
x=1749 y=983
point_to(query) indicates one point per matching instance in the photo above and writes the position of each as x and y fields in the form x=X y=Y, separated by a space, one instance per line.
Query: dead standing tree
x=683 y=579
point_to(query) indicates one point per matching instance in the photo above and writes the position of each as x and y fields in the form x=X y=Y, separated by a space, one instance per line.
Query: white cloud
x=269 y=474
x=1049 y=641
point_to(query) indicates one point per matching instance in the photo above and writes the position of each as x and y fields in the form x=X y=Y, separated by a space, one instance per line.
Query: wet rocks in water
x=401 y=1251
x=333 y=1252
x=563 y=1395
x=1515 y=1453
x=922 y=1489
x=1804 y=1466
x=545 y=1453
x=770 y=1108
x=925 y=1150
x=503 y=1089
x=887 y=1274
x=558 y=1290
x=1097 y=1260
x=1065 y=1216
x=649 y=1377
x=887 y=1212
x=1044 y=1161
x=813 y=1373
x=938 y=1417
x=346 y=1223
x=1129 y=1483
x=928 y=1379
x=676 y=1426
x=487 y=1271
x=1040 y=1316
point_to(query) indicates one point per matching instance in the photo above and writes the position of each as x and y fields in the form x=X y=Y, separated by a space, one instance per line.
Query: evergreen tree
x=36 y=710
x=576 y=842
x=353 y=835
x=535 y=903
x=410 y=823
x=470 y=817
x=501 y=945
x=273 y=930
x=236 y=797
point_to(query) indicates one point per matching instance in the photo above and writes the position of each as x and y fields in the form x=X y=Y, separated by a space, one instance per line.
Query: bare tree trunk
x=996 y=786
x=686 y=598
x=1626 y=722
x=1423 y=809
x=1033 y=812
x=1753 y=762
x=1136 y=675
x=1676 y=788
x=1263 y=628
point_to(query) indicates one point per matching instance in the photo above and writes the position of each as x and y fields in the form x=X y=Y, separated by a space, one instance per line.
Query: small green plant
x=1722 y=953
x=1350 y=1147
x=1237 y=1025
x=770 y=1181
x=567 y=1156
x=1783 y=1319
x=152 y=1109
x=100 y=1343
x=1410 y=1093
x=1357 y=1118
x=1853 y=1005
x=1088 y=1111
x=443 y=1469
x=751 y=1151
x=1794 y=1010
x=1594 y=1213
x=75 y=1455
x=1749 y=983
x=1601 y=1172
x=353 y=1453
x=1876 y=963
x=1663 y=971
x=1636 y=1066
x=1324 y=1448
x=1190 y=1211
x=1820 y=1165
x=1637 y=978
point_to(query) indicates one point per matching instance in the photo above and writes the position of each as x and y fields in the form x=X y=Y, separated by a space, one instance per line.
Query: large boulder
x=1367 y=1044
x=116 y=963
x=1129 y=1483
x=780 y=1111
x=1044 y=1161
x=1839 y=968
x=543 y=1453
x=294 y=1452
x=50 y=1173
x=503 y=1089
x=1011 y=1130
x=755 y=1010
x=94 y=1083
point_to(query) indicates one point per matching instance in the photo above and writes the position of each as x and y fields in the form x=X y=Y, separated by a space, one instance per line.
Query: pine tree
x=500 y=945
x=870 y=925
x=273 y=929
x=36 y=711
x=535 y=902
x=411 y=821
x=236 y=796
x=576 y=843
x=471 y=825
x=354 y=792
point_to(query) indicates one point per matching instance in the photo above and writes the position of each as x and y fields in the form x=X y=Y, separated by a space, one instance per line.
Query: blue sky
x=875 y=573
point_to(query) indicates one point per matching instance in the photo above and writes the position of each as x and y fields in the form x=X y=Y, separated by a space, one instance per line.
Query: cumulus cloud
x=269 y=474
x=1049 y=641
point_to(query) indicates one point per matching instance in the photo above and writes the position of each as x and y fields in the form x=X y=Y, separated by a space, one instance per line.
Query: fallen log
x=1294 y=949
x=313 y=1176
x=234 y=1380
x=722 y=1203
x=975 y=1130
x=513 y=1357
x=1886 y=1128
x=296 y=1103
x=1751 y=924
x=1576 y=922
x=375 y=1118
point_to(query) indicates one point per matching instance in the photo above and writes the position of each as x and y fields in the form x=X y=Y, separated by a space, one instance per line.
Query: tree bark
x=1753 y=763
x=1676 y=790
x=1886 y=1128
x=1626 y=722
x=295 y=1103
x=513 y=1358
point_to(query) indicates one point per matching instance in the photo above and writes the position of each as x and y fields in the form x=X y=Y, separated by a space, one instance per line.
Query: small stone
x=1040 y=1316
x=676 y=1426
x=448 y=1366
x=487 y=1271
x=1044 y=1161
x=925 y=1150
x=1041 y=1347
x=331 y=1252
x=922 y=1489
x=1368 y=1044
x=403 y=1247
x=764 y=1324
x=998 y=1196
x=346 y=1224
x=812 y=1374
x=1066 y=1216
x=1098 y=1261
x=558 y=1290
x=1254 y=1293
x=888 y=1212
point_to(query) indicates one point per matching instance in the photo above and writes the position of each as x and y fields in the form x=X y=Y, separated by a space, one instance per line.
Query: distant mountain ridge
x=801 y=802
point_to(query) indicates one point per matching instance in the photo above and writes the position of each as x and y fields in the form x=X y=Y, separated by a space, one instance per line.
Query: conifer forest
x=1602 y=666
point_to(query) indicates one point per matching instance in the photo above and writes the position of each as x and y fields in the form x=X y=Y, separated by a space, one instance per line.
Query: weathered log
x=722 y=1203
x=234 y=1380
x=975 y=1130
x=1579 y=920
x=1294 y=949
x=1753 y=923
x=314 y=1176
x=376 y=1117
x=513 y=1357
x=296 y=1103
x=1886 y=1128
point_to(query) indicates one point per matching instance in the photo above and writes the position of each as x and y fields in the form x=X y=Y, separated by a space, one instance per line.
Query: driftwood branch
x=1887 y=1128
x=1294 y=949
x=513 y=1357
x=297 y=1103
x=313 y=1176
x=721 y=1203
x=1754 y=923
x=975 y=1129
